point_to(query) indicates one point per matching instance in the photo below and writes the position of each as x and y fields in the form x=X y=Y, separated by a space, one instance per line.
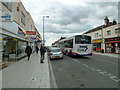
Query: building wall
x=17 y=14
x=10 y=33
x=3 y=7
x=102 y=35
x=93 y=34
x=112 y=28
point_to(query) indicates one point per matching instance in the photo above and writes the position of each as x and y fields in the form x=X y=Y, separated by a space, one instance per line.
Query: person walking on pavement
x=28 y=50
x=42 y=52
x=36 y=49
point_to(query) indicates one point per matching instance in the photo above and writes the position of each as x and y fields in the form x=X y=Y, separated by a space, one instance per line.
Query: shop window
x=108 y=48
x=1 y=47
x=21 y=48
x=9 y=47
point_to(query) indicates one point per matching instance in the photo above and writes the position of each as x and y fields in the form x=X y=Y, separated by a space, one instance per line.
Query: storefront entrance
x=13 y=48
x=112 y=45
x=9 y=47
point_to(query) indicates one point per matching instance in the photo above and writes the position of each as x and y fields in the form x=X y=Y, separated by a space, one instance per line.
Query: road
x=86 y=72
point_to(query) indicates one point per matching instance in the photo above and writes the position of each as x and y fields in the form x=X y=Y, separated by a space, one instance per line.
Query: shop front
x=1 y=48
x=112 y=45
x=9 y=47
x=12 y=48
x=13 y=42
x=97 y=45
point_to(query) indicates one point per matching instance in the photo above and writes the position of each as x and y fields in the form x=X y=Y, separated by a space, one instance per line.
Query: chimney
x=114 y=22
x=106 y=20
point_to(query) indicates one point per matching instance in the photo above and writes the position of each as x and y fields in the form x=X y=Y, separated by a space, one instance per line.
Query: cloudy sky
x=69 y=17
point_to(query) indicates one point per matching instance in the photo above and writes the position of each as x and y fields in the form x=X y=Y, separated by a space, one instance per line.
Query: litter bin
x=102 y=50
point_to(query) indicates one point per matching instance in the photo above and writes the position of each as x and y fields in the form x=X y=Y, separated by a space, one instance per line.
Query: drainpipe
x=102 y=50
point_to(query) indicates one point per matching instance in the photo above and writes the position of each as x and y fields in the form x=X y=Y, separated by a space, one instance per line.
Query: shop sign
x=112 y=39
x=96 y=41
x=6 y=16
x=20 y=32
x=31 y=37
x=31 y=32
x=118 y=38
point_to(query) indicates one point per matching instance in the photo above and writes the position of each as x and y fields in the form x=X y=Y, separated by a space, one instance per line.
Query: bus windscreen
x=81 y=39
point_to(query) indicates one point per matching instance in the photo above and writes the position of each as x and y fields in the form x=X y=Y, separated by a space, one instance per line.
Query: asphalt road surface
x=95 y=71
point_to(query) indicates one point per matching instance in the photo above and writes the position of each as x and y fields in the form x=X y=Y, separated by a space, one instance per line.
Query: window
x=96 y=34
x=82 y=39
x=109 y=32
x=69 y=43
x=23 y=18
x=117 y=30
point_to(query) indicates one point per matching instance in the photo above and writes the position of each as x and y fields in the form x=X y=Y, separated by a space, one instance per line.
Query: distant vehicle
x=54 y=53
x=78 y=45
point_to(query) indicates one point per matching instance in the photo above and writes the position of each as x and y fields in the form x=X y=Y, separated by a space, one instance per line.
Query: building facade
x=106 y=37
x=15 y=22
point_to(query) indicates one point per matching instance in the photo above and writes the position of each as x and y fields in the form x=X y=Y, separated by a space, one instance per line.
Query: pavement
x=27 y=74
x=108 y=54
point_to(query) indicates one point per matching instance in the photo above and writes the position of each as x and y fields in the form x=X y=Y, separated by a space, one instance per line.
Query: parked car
x=55 y=53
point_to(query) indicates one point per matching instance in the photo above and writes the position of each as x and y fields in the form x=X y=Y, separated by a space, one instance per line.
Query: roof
x=98 y=28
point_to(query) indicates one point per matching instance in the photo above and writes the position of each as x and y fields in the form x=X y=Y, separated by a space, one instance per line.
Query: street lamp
x=43 y=28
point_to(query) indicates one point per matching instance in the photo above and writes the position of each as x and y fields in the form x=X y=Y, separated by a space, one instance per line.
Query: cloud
x=69 y=18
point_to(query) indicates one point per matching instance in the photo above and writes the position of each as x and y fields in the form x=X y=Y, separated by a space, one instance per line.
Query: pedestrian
x=42 y=53
x=36 y=49
x=28 y=51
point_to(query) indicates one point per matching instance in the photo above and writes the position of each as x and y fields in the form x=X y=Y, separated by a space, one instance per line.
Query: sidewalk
x=107 y=54
x=27 y=74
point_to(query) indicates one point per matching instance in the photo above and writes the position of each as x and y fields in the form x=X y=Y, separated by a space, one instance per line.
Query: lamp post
x=43 y=28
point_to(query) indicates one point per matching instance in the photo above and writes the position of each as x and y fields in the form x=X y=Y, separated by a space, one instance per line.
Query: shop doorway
x=110 y=48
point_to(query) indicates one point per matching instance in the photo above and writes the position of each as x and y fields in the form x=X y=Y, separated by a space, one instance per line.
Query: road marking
x=76 y=60
x=98 y=70
x=92 y=69
x=103 y=73
x=114 y=78
x=108 y=74
x=85 y=65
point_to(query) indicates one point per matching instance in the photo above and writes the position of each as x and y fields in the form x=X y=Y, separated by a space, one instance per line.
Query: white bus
x=78 y=45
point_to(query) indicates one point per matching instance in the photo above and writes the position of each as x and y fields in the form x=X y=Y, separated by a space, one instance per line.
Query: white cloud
x=68 y=17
